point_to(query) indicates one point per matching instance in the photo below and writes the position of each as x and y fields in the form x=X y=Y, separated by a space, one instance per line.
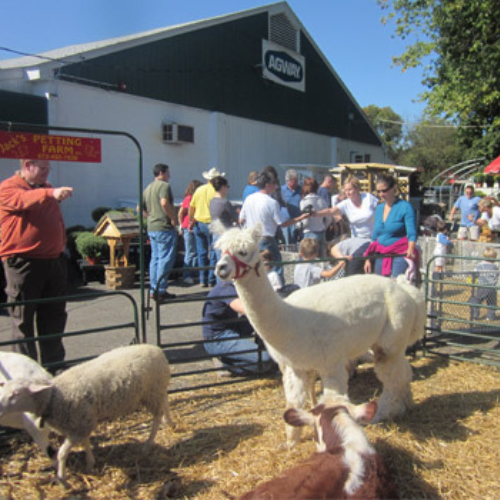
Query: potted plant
x=479 y=179
x=91 y=247
x=488 y=178
x=496 y=180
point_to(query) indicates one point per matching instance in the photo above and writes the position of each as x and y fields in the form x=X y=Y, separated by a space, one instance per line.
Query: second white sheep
x=114 y=384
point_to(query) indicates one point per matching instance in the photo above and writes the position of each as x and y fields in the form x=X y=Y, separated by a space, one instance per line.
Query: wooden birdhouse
x=119 y=229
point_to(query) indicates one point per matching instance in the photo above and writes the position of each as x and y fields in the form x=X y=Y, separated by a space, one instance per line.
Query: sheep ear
x=39 y=385
x=298 y=418
x=257 y=231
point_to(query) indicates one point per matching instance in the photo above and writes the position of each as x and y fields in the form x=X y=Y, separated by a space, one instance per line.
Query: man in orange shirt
x=32 y=246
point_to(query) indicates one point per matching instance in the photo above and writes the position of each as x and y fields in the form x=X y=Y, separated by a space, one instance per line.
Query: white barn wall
x=346 y=147
x=235 y=145
x=246 y=145
x=116 y=178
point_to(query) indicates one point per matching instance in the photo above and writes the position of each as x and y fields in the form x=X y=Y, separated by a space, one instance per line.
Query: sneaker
x=221 y=372
x=162 y=297
x=189 y=281
x=204 y=285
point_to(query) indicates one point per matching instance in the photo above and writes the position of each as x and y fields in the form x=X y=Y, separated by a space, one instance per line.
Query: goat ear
x=364 y=413
x=257 y=232
x=298 y=418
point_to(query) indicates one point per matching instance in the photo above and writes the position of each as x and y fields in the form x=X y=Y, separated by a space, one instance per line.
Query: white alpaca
x=320 y=328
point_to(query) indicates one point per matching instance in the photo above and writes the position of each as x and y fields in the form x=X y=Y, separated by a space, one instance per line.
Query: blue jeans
x=206 y=255
x=288 y=235
x=484 y=295
x=163 y=251
x=217 y=253
x=190 y=256
x=399 y=266
x=271 y=244
x=228 y=348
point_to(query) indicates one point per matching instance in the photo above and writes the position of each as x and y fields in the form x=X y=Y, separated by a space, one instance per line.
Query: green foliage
x=479 y=177
x=489 y=180
x=98 y=212
x=72 y=233
x=90 y=245
x=458 y=42
x=432 y=147
x=388 y=124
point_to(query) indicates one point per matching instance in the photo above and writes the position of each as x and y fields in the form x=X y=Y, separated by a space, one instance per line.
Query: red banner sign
x=49 y=147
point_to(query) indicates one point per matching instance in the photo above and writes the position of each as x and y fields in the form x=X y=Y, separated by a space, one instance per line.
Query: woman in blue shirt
x=395 y=231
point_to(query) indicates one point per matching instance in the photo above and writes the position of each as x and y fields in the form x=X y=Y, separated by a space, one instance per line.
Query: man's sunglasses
x=383 y=190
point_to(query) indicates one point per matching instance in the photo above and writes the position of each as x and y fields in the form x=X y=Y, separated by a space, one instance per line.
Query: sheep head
x=17 y=395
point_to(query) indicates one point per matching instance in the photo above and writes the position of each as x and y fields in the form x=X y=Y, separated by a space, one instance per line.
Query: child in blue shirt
x=442 y=245
x=311 y=274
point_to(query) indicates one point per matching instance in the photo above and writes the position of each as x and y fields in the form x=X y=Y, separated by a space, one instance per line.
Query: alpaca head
x=240 y=252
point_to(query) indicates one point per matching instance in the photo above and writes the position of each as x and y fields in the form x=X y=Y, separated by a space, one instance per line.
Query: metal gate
x=82 y=344
x=37 y=128
x=462 y=306
x=179 y=332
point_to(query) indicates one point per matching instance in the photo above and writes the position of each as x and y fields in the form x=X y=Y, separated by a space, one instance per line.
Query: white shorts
x=440 y=261
x=468 y=233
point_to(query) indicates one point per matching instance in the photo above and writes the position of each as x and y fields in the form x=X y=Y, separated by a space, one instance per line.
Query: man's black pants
x=32 y=279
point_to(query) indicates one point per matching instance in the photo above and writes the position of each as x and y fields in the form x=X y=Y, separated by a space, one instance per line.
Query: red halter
x=242 y=268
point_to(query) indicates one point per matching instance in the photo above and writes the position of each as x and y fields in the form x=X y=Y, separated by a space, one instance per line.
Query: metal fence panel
x=462 y=306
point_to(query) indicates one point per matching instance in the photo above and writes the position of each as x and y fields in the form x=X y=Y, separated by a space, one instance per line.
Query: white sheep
x=114 y=384
x=12 y=366
x=321 y=328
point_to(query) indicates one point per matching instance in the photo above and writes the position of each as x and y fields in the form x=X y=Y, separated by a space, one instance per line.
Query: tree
x=388 y=124
x=459 y=41
x=432 y=146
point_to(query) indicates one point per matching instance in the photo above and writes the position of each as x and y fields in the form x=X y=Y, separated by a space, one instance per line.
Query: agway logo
x=284 y=66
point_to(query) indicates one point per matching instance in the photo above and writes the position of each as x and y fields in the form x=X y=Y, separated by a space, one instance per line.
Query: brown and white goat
x=345 y=466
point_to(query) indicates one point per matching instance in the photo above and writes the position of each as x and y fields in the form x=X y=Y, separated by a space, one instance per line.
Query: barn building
x=239 y=92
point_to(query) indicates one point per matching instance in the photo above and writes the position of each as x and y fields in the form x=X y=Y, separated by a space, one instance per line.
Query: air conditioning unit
x=173 y=133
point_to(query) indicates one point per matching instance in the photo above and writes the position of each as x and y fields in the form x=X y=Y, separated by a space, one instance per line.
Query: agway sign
x=49 y=147
x=283 y=66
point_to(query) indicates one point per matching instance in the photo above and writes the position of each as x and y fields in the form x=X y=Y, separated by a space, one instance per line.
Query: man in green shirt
x=158 y=208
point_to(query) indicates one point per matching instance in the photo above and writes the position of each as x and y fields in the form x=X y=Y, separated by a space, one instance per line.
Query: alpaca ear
x=217 y=227
x=257 y=231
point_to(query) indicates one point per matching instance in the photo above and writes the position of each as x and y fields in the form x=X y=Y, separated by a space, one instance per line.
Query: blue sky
x=348 y=32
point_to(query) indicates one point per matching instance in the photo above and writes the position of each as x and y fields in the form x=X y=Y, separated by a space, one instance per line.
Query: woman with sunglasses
x=395 y=232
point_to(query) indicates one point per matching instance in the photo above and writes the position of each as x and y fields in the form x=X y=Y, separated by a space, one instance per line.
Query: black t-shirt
x=224 y=211
x=217 y=309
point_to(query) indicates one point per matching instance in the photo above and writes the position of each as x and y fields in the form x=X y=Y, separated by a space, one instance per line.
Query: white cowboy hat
x=213 y=172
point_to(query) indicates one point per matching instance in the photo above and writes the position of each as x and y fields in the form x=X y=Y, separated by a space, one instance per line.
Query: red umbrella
x=493 y=167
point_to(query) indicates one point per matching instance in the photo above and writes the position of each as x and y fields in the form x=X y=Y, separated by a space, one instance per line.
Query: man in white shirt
x=262 y=208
